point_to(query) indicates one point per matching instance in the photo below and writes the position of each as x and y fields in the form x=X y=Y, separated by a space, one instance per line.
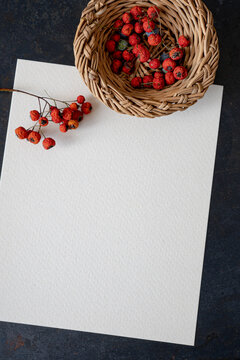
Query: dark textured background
x=43 y=30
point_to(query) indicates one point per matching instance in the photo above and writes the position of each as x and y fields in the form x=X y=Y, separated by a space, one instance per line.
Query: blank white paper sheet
x=106 y=232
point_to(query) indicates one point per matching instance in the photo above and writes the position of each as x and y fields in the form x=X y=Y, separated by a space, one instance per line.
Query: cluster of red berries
x=132 y=33
x=67 y=118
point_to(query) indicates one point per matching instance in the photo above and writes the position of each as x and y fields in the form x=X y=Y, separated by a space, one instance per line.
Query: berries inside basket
x=147 y=59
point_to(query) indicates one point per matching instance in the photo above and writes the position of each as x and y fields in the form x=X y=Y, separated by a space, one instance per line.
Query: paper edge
x=221 y=88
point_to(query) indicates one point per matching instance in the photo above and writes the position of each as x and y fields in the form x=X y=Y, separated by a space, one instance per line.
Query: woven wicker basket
x=189 y=17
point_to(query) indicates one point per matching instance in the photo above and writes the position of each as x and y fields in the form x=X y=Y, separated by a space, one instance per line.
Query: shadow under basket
x=178 y=17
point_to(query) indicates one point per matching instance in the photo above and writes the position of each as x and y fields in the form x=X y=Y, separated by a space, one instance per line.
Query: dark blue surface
x=43 y=30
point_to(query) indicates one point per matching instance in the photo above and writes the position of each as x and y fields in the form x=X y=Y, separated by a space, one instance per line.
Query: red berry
x=80 y=99
x=144 y=19
x=117 y=55
x=138 y=28
x=127 y=55
x=183 y=41
x=48 y=143
x=154 y=64
x=169 y=64
x=127 y=29
x=149 y=26
x=111 y=46
x=52 y=108
x=34 y=137
x=180 y=73
x=158 y=75
x=118 y=24
x=116 y=37
x=158 y=84
x=137 y=48
x=148 y=81
x=144 y=54
x=116 y=66
x=73 y=124
x=117 y=63
x=43 y=121
x=64 y=121
x=169 y=78
x=57 y=119
x=128 y=68
x=176 y=54
x=154 y=39
x=63 y=128
x=67 y=114
x=153 y=12
x=127 y=18
x=74 y=106
x=77 y=115
x=87 y=108
x=55 y=114
x=21 y=133
x=34 y=114
x=136 y=82
x=116 y=70
x=134 y=39
x=136 y=12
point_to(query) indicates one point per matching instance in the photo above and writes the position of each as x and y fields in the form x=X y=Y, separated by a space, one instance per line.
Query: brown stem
x=42 y=133
x=40 y=108
x=61 y=101
x=24 y=92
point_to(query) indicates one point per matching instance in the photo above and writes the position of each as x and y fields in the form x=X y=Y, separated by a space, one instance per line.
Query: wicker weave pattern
x=189 y=17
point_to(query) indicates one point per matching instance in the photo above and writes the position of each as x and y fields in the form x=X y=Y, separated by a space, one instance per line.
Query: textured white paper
x=106 y=232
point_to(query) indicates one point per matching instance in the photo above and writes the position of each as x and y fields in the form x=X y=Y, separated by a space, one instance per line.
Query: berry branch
x=67 y=118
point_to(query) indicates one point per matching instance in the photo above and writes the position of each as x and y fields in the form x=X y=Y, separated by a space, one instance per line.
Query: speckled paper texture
x=106 y=232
